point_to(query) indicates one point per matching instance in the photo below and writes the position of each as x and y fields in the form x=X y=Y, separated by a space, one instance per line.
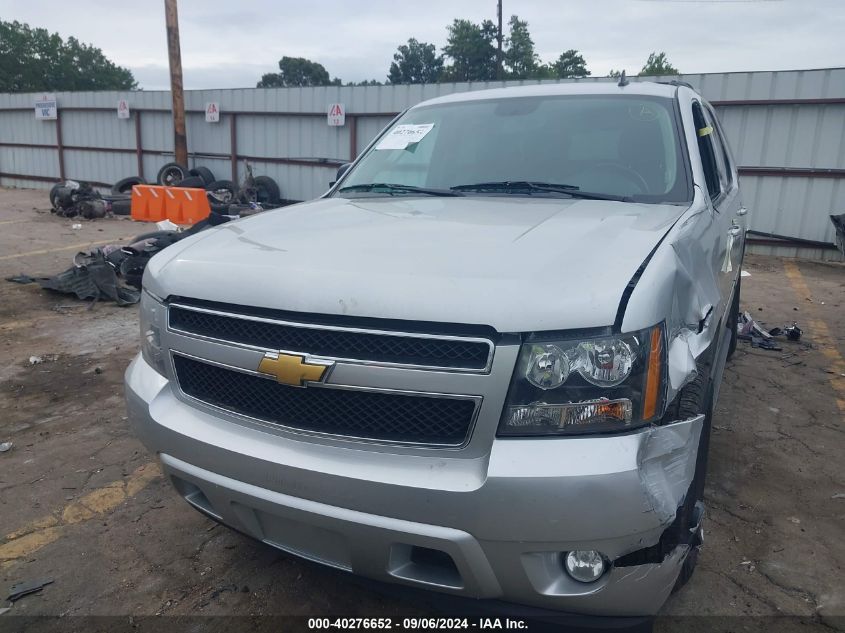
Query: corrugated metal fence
x=787 y=130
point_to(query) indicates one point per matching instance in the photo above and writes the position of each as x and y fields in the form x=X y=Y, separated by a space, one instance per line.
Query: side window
x=723 y=148
x=704 y=133
x=718 y=149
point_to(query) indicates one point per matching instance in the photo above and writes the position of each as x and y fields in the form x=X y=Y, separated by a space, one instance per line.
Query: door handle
x=741 y=211
x=734 y=231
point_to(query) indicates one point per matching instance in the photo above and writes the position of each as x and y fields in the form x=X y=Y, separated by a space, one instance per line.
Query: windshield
x=619 y=146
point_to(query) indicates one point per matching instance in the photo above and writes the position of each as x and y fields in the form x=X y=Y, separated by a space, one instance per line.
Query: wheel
x=266 y=190
x=171 y=174
x=121 y=207
x=54 y=194
x=695 y=398
x=192 y=181
x=222 y=191
x=204 y=173
x=125 y=185
x=733 y=316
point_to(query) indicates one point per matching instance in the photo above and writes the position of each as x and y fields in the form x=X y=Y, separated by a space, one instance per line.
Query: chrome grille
x=365 y=414
x=429 y=351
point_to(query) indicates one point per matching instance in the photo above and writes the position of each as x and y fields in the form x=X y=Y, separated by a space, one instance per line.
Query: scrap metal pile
x=113 y=272
x=71 y=198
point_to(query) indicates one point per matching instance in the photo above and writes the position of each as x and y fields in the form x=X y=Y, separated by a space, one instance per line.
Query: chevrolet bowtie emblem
x=294 y=369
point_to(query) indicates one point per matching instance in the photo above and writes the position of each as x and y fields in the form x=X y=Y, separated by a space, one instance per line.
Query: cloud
x=226 y=44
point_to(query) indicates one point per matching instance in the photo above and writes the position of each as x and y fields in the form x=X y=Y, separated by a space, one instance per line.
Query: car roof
x=643 y=88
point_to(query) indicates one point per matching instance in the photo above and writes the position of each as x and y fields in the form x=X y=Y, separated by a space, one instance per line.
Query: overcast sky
x=231 y=43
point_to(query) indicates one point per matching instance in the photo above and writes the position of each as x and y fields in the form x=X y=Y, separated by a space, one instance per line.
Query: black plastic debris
x=22 y=589
x=793 y=332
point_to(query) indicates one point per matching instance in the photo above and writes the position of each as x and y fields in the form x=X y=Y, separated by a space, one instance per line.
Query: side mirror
x=340 y=171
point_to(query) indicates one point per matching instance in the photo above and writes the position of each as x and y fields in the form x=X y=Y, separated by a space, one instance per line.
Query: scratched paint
x=27 y=540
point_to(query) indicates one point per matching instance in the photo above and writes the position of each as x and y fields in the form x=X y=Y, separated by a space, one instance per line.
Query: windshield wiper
x=390 y=188
x=523 y=186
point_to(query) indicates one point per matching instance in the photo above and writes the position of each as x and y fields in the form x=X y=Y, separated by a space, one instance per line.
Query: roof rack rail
x=678 y=82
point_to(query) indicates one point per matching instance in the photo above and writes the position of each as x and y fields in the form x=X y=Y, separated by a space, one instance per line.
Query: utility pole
x=499 y=70
x=174 y=55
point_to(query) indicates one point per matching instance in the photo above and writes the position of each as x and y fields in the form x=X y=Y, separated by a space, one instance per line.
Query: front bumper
x=488 y=527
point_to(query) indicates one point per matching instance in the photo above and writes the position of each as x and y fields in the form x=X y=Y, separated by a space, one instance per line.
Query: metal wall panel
x=773 y=136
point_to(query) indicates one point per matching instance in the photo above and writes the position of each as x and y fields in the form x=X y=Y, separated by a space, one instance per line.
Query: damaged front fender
x=681 y=285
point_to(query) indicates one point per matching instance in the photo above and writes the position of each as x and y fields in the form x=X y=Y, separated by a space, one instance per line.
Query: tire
x=733 y=316
x=125 y=185
x=266 y=190
x=54 y=194
x=171 y=174
x=194 y=182
x=222 y=191
x=121 y=207
x=695 y=398
x=204 y=173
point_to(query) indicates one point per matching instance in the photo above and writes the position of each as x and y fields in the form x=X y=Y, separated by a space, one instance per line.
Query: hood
x=513 y=263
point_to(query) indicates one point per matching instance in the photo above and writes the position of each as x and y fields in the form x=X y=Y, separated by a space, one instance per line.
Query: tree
x=615 y=73
x=657 y=65
x=472 y=49
x=297 y=72
x=34 y=60
x=415 y=63
x=570 y=64
x=520 y=59
x=366 y=82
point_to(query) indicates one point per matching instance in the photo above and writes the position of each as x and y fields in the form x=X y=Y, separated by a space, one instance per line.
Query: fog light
x=584 y=565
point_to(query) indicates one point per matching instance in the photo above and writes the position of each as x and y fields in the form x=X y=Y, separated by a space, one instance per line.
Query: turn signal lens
x=653 y=375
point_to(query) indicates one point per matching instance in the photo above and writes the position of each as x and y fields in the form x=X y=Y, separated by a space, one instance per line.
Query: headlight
x=587 y=385
x=152 y=320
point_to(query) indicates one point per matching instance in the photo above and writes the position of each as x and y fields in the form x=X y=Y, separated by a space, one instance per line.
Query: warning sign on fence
x=123 y=109
x=336 y=114
x=45 y=106
x=212 y=112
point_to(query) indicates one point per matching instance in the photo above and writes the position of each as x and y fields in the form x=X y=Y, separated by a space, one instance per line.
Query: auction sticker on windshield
x=403 y=135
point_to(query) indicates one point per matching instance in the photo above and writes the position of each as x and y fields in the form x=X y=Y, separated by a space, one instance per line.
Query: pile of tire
x=224 y=196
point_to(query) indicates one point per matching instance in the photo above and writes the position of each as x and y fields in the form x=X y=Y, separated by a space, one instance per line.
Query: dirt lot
x=83 y=503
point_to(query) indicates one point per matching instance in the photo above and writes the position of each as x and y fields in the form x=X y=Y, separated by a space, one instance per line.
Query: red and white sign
x=45 y=107
x=336 y=114
x=123 y=109
x=212 y=112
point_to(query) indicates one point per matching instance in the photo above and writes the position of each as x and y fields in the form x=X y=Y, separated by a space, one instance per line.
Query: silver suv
x=484 y=362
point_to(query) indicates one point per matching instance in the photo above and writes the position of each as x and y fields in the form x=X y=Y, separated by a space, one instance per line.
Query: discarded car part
x=21 y=589
x=471 y=391
x=192 y=182
x=6 y=446
x=125 y=185
x=793 y=332
x=54 y=194
x=266 y=190
x=222 y=191
x=839 y=225
x=92 y=209
x=122 y=207
x=204 y=173
x=171 y=174
x=91 y=277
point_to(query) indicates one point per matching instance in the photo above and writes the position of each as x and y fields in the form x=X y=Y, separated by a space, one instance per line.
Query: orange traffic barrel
x=153 y=203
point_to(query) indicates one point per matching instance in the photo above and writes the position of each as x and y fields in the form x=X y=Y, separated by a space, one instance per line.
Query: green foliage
x=366 y=82
x=570 y=64
x=657 y=65
x=415 y=63
x=34 y=60
x=297 y=72
x=472 y=49
x=614 y=73
x=520 y=59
